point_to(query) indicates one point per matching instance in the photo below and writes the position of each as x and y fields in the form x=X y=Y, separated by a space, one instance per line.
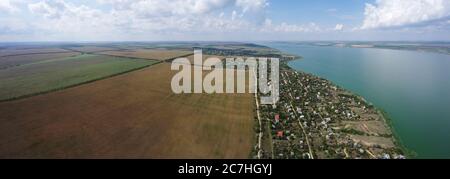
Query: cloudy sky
x=224 y=20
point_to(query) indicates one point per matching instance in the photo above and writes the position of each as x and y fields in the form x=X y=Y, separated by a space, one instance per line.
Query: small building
x=280 y=134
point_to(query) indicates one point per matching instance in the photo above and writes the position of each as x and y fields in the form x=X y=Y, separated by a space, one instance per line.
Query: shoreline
x=384 y=115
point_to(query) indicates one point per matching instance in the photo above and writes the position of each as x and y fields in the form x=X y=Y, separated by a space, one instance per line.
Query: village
x=315 y=119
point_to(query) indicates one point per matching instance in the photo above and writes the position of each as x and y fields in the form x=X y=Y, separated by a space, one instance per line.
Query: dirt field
x=134 y=115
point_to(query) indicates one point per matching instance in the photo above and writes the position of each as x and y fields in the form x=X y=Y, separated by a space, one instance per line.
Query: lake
x=413 y=88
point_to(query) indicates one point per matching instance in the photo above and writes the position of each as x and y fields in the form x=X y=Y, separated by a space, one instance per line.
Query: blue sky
x=225 y=20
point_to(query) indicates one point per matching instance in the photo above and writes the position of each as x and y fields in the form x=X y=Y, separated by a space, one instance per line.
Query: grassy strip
x=354 y=132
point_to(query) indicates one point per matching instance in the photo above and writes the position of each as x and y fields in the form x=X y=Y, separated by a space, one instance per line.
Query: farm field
x=51 y=74
x=90 y=48
x=134 y=115
x=10 y=61
x=154 y=54
x=21 y=50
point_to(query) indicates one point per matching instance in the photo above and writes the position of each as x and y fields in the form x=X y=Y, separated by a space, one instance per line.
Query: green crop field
x=60 y=73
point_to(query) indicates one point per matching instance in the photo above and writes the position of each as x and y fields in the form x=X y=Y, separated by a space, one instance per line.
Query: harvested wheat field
x=134 y=115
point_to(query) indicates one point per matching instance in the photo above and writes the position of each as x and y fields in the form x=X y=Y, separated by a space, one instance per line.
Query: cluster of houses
x=306 y=122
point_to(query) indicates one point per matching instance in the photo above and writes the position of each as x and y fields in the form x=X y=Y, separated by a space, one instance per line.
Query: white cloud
x=393 y=13
x=154 y=19
x=163 y=6
x=49 y=9
x=339 y=27
x=252 y=5
x=176 y=7
x=234 y=15
x=152 y=8
x=285 y=27
x=63 y=19
x=12 y=25
x=7 y=6
x=147 y=16
x=253 y=9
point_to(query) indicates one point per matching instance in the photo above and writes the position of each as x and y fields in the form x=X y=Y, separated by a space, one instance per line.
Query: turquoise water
x=412 y=87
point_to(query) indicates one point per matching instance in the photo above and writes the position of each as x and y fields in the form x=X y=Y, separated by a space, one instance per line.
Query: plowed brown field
x=134 y=115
